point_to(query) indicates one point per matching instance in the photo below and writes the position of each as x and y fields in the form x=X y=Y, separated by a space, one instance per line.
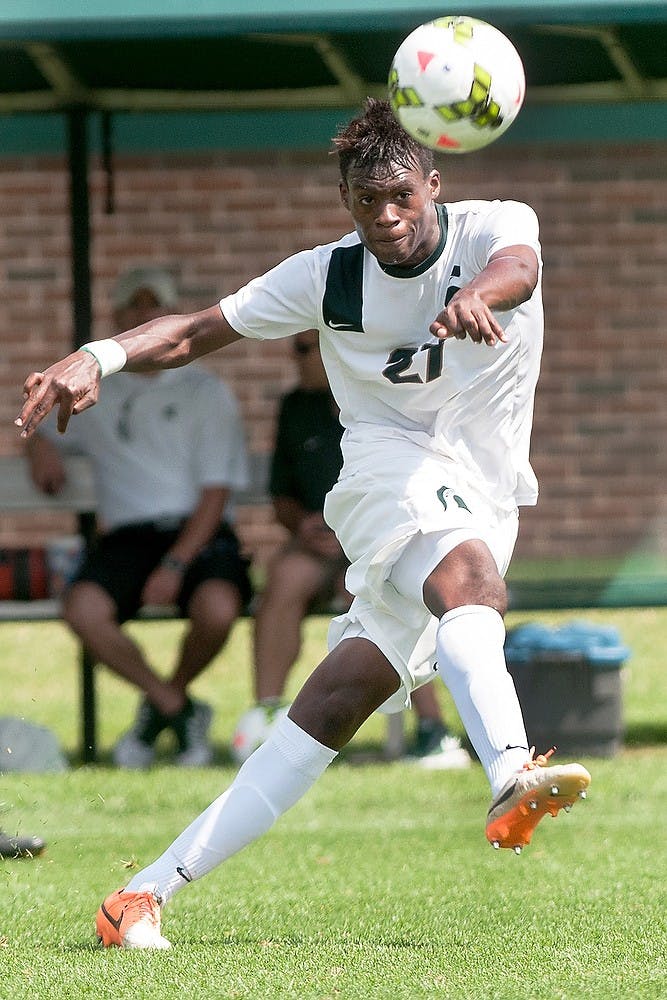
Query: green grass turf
x=378 y=884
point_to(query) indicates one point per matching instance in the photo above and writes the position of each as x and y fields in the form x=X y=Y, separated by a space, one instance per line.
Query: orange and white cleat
x=536 y=790
x=130 y=920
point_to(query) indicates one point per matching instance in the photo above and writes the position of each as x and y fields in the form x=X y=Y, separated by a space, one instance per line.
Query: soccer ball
x=253 y=728
x=456 y=84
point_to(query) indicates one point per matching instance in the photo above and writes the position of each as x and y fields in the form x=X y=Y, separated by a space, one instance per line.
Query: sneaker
x=436 y=749
x=20 y=847
x=130 y=920
x=136 y=749
x=191 y=727
x=535 y=791
x=254 y=727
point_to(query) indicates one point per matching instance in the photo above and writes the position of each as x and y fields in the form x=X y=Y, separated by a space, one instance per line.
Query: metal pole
x=81 y=333
x=79 y=225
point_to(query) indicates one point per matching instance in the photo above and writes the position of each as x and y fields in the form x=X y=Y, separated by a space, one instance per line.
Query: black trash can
x=569 y=684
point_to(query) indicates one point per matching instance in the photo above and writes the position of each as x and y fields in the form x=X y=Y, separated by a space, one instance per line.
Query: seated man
x=310 y=569
x=167 y=451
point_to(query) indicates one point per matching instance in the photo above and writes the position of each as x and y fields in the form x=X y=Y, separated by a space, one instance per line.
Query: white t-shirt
x=388 y=374
x=156 y=441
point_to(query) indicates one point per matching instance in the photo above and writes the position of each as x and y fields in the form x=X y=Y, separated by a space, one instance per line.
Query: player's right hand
x=72 y=384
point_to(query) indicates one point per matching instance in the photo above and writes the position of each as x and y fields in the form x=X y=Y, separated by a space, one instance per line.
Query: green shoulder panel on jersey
x=343 y=294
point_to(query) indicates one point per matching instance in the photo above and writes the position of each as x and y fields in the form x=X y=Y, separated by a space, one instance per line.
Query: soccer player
x=430 y=323
x=310 y=568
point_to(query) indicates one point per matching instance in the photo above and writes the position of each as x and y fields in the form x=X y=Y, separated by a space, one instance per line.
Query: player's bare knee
x=485 y=587
x=494 y=595
x=468 y=575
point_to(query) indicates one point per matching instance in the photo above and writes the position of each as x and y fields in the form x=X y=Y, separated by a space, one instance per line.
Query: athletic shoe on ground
x=20 y=847
x=436 y=749
x=191 y=727
x=528 y=796
x=130 y=920
x=136 y=749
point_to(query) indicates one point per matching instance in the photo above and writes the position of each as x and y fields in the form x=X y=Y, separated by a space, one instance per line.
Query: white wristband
x=109 y=354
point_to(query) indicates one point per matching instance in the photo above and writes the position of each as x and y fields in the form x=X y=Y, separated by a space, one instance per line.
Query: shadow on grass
x=641 y=734
x=163 y=758
x=645 y=734
x=252 y=941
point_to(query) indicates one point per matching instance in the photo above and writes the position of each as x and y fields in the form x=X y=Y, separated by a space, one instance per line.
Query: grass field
x=379 y=884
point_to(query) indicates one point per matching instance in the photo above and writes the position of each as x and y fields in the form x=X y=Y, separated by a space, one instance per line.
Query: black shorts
x=122 y=561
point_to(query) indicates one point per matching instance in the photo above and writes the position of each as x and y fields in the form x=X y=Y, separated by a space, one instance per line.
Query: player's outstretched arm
x=73 y=383
x=508 y=279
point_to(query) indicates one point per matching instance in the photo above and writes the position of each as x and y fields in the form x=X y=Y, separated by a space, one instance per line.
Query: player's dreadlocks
x=375 y=140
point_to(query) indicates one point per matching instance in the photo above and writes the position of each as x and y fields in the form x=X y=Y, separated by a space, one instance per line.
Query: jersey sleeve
x=509 y=223
x=280 y=303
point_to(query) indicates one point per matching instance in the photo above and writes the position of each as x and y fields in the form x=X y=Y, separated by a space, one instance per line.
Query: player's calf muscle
x=346 y=688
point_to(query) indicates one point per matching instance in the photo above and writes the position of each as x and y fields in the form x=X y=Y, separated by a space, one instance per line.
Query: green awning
x=229 y=55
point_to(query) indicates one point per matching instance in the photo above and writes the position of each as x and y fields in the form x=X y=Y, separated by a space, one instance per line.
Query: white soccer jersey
x=436 y=432
x=389 y=375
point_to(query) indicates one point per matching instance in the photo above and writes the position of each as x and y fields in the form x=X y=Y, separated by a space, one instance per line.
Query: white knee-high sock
x=272 y=780
x=471 y=661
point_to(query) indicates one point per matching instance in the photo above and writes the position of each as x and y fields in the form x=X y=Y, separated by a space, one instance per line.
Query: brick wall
x=219 y=219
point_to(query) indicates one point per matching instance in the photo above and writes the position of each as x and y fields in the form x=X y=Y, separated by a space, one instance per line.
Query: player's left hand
x=72 y=384
x=467 y=315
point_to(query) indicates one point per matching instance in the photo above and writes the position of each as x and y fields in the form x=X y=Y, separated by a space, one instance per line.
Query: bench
x=19 y=495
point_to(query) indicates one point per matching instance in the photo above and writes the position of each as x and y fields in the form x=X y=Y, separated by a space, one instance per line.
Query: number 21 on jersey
x=400 y=368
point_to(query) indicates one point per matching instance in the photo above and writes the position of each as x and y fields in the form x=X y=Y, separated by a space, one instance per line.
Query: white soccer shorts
x=395 y=530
